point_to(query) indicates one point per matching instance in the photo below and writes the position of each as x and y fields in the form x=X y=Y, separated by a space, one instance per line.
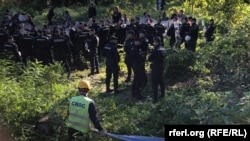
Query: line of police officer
x=72 y=44
x=41 y=46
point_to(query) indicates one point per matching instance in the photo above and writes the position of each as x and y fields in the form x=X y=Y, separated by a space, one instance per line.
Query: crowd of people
x=74 y=43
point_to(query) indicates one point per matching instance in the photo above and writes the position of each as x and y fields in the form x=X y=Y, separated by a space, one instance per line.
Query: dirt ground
x=5 y=135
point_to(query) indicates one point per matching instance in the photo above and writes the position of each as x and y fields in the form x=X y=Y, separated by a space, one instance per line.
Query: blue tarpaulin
x=134 y=138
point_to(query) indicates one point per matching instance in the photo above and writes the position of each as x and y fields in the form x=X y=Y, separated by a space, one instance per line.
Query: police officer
x=82 y=111
x=194 y=33
x=120 y=31
x=144 y=41
x=78 y=52
x=61 y=49
x=157 y=58
x=131 y=26
x=42 y=48
x=184 y=30
x=171 y=33
x=209 y=32
x=103 y=35
x=93 y=43
x=129 y=43
x=138 y=58
x=10 y=50
x=144 y=48
x=112 y=64
x=26 y=47
x=3 y=35
x=160 y=30
x=150 y=29
x=33 y=31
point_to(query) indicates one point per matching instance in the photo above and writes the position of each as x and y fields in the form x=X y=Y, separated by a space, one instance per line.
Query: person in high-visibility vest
x=82 y=111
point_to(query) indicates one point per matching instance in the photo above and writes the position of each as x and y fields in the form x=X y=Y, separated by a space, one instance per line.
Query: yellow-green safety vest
x=79 y=113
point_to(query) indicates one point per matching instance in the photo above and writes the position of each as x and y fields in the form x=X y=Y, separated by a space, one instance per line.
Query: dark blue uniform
x=194 y=33
x=138 y=59
x=42 y=49
x=10 y=51
x=61 y=50
x=157 y=58
x=160 y=30
x=26 y=47
x=93 y=43
x=144 y=48
x=112 y=65
x=78 y=50
x=184 y=30
x=129 y=43
x=103 y=35
x=209 y=33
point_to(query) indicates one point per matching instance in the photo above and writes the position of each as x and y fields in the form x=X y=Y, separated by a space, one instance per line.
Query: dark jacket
x=184 y=29
x=112 y=55
x=210 y=32
x=137 y=57
x=10 y=51
x=194 y=31
x=129 y=43
x=93 y=116
x=157 y=58
x=60 y=46
x=93 y=43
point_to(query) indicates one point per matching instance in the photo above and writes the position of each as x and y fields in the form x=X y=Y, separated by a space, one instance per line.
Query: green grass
x=216 y=91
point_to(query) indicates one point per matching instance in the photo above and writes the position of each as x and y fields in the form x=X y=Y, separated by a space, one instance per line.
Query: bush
x=31 y=94
x=178 y=63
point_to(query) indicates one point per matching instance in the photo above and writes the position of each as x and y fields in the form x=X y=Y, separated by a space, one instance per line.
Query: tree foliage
x=212 y=87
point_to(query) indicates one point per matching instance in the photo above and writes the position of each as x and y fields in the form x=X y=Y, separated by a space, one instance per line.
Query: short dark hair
x=10 y=37
x=83 y=90
x=92 y=29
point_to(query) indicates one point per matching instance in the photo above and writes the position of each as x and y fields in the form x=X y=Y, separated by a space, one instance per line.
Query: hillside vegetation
x=209 y=86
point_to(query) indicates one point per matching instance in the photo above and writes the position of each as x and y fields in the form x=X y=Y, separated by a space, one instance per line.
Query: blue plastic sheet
x=134 y=138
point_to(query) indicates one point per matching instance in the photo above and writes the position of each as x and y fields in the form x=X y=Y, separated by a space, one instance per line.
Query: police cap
x=131 y=32
x=113 y=38
x=143 y=31
x=157 y=39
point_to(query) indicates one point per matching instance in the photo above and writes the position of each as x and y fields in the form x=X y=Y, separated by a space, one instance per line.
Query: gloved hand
x=102 y=132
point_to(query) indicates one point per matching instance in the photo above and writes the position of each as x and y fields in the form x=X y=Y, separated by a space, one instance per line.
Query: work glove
x=102 y=132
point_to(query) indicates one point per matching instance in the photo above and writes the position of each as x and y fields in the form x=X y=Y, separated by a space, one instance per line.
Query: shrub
x=178 y=63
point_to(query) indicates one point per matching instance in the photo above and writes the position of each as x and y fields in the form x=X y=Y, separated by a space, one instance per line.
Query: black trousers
x=72 y=133
x=157 y=80
x=94 y=63
x=137 y=81
x=112 y=70
x=129 y=67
